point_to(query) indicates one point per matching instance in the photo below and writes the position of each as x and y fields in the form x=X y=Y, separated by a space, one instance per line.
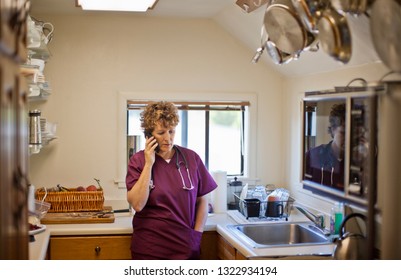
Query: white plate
x=39 y=230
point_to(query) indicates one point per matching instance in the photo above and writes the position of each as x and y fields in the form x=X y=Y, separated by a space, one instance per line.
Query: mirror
x=339 y=145
x=324 y=151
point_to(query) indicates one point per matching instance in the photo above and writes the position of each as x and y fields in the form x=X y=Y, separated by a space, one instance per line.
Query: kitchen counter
x=215 y=222
x=122 y=225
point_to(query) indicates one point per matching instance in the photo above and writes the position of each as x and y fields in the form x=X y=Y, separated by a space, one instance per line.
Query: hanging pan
x=276 y=55
x=353 y=7
x=335 y=35
x=385 y=23
x=309 y=12
x=285 y=27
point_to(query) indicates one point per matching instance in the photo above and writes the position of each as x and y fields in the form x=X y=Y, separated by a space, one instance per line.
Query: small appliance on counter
x=233 y=187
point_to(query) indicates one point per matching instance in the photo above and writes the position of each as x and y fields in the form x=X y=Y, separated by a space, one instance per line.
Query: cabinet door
x=108 y=247
x=208 y=246
x=239 y=255
x=224 y=249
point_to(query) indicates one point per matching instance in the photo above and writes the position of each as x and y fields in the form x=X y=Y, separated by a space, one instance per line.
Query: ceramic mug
x=252 y=207
x=274 y=209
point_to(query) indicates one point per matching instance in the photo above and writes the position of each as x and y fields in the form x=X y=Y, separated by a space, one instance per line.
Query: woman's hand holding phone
x=151 y=142
x=150 y=149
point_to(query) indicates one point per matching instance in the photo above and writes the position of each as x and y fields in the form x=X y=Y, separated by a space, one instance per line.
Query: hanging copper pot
x=335 y=35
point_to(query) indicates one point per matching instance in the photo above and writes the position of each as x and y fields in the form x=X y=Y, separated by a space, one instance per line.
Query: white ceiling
x=246 y=28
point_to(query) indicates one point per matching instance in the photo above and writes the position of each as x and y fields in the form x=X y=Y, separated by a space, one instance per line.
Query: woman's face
x=164 y=137
x=338 y=137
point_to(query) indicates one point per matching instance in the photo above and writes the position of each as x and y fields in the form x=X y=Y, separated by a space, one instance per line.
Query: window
x=215 y=130
x=250 y=123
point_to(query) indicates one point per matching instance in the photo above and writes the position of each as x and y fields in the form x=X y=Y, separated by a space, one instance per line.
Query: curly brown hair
x=337 y=117
x=162 y=112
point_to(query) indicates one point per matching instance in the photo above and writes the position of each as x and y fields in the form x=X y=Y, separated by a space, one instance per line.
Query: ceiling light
x=116 y=5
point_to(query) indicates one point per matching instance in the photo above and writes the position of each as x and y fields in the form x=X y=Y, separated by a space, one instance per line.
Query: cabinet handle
x=97 y=250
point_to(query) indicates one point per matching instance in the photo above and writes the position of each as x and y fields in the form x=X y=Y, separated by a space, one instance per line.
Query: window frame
x=250 y=123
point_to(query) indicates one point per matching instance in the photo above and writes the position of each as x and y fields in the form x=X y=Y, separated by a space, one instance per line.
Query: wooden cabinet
x=225 y=251
x=111 y=247
x=99 y=247
x=117 y=247
x=208 y=245
x=239 y=255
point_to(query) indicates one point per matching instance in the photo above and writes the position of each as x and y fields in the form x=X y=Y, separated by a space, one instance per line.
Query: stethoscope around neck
x=178 y=164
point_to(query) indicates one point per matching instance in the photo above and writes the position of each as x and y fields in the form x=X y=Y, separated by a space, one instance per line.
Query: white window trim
x=123 y=97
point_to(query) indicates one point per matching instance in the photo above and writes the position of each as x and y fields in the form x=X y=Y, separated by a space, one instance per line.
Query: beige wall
x=95 y=57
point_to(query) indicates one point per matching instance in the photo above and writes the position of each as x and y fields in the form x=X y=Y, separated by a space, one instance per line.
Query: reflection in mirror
x=324 y=142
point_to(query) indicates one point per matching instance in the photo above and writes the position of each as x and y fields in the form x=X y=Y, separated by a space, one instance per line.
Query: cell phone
x=148 y=135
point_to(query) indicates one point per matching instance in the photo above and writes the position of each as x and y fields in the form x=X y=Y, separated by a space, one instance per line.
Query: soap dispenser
x=336 y=217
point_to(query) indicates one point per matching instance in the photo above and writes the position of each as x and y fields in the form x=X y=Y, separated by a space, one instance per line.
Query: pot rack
x=323 y=24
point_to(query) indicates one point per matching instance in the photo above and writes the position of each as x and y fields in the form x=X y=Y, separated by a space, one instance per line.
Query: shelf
x=41 y=52
x=39 y=91
x=39 y=88
x=36 y=148
x=38 y=37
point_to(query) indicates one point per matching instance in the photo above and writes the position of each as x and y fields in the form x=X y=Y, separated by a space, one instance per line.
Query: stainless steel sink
x=279 y=234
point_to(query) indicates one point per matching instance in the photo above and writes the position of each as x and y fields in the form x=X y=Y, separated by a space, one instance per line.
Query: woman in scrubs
x=167 y=187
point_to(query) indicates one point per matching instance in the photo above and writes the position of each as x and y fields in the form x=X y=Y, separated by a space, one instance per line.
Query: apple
x=91 y=188
x=81 y=189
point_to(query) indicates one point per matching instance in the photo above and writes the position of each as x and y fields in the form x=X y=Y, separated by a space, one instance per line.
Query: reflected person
x=324 y=164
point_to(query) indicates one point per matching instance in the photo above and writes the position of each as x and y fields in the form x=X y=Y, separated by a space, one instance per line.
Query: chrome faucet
x=318 y=219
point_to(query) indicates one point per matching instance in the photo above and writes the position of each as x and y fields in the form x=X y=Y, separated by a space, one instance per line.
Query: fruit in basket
x=81 y=189
x=91 y=188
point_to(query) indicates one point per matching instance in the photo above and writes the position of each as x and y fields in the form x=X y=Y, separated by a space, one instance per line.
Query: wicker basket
x=72 y=201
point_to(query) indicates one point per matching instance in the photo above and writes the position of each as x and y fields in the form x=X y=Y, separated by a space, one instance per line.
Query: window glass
x=197 y=132
x=225 y=149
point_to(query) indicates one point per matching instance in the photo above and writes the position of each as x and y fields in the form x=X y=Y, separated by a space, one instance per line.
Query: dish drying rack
x=254 y=210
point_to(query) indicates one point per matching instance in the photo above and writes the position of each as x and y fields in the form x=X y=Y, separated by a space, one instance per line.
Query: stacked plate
x=48 y=131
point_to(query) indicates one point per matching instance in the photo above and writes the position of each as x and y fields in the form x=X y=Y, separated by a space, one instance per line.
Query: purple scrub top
x=323 y=167
x=164 y=228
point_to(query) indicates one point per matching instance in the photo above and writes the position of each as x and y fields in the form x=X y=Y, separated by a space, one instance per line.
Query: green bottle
x=336 y=217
